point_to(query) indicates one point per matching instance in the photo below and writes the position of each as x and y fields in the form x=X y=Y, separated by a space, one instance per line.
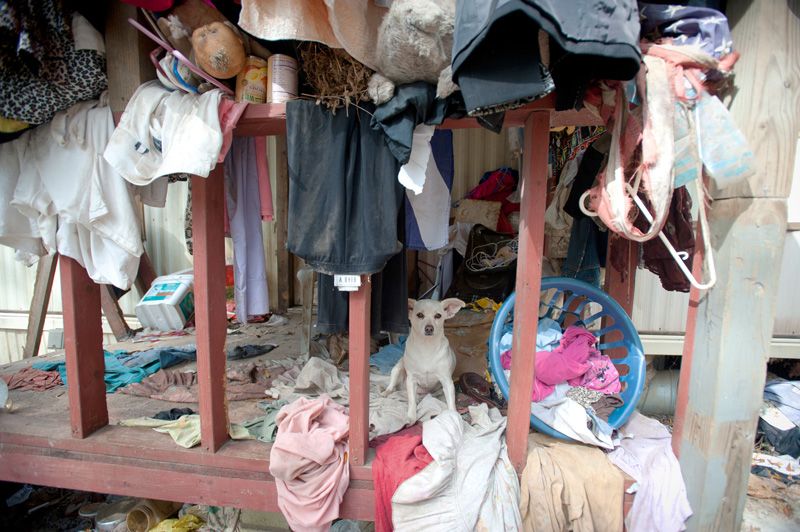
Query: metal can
x=251 y=82
x=282 y=79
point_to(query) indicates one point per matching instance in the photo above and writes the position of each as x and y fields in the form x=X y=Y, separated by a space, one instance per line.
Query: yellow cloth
x=569 y=486
x=484 y=303
x=9 y=125
x=187 y=523
x=185 y=431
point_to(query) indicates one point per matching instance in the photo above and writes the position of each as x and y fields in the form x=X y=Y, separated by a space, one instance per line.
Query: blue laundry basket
x=569 y=299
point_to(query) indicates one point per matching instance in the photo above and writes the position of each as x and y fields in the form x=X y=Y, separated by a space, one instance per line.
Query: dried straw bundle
x=337 y=79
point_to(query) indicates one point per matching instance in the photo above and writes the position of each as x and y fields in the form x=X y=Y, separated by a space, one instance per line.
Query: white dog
x=428 y=359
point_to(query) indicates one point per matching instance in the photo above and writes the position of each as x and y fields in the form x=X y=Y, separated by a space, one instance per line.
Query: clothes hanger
x=680 y=257
x=179 y=56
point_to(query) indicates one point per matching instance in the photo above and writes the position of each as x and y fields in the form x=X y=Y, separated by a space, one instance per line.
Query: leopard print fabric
x=42 y=72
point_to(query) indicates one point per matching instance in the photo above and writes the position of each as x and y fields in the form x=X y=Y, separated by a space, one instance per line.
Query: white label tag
x=347 y=283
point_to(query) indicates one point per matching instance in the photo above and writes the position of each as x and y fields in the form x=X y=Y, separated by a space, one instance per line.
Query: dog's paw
x=386 y=393
x=411 y=419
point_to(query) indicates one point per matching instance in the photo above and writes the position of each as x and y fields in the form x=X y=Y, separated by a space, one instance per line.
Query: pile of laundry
x=576 y=387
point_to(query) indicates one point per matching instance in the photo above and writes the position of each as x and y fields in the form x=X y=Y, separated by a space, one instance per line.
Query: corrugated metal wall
x=476 y=151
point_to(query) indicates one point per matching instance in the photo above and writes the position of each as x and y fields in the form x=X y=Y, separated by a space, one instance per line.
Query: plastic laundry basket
x=578 y=303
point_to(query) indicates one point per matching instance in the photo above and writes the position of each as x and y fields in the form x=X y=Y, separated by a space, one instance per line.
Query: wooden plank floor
x=36 y=444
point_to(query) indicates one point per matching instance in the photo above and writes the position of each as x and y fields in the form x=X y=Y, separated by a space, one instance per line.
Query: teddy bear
x=415 y=42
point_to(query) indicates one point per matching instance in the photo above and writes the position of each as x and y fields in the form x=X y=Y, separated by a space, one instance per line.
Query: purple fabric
x=575 y=361
x=688 y=25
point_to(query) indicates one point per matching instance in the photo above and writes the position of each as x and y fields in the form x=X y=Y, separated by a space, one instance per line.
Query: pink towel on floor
x=309 y=461
x=575 y=361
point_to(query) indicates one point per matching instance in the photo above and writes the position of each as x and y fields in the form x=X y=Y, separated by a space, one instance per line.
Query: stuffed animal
x=415 y=42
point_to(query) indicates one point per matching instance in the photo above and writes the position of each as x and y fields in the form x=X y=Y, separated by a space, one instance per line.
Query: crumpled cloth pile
x=309 y=461
x=386 y=414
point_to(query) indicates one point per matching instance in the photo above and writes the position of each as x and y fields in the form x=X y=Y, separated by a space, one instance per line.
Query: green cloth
x=117 y=374
x=185 y=430
x=265 y=428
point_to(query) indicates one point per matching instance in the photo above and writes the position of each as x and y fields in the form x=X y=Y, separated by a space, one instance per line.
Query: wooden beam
x=45 y=273
x=209 y=296
x=359 y=371
x=285 y=280
x=766 y=106
x=113 y=313
x=728 y=362
x=688 y=345
x=306 y=278
x=529 y=276
x=621 y=283
x=146 y=275
x=144 y=477
x=128 y=54
x=83 y=346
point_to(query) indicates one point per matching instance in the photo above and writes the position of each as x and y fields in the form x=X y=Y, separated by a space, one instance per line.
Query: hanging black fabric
x=344 y=196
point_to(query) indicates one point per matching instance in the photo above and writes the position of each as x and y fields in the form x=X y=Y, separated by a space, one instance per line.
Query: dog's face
x=427 y=316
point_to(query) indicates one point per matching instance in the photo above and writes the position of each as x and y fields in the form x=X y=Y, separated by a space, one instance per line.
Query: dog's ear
x=411 y=303
x=451 y=306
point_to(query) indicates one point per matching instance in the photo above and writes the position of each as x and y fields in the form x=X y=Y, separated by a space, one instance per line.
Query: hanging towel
x=428 y=212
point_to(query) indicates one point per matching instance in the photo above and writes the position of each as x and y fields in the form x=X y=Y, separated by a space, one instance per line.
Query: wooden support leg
x=620 y=283
x=113 y=313
x=359 y=371
x=83 y=344
x=529 y=276
x=688 y=346
x=306 y=278
x=285 y=281
x=146 y=275
x=45 y=273
x=728 y=363
x=209 y=295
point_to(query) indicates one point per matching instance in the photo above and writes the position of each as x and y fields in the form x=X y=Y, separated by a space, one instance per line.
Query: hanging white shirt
x=81 y=207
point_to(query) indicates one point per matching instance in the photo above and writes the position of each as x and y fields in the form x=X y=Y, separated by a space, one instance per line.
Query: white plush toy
x=415 y=42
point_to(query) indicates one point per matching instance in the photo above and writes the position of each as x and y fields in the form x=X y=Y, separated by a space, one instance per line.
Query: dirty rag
x=645 y=453
x=470 y=485
x=568 y=486
x=33 y=379
x=185 y=431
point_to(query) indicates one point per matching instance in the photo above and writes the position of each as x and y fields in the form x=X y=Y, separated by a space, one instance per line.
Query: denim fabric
x=583 y=261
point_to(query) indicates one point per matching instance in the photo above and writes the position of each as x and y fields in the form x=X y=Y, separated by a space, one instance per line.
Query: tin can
x=251 y=82
x=282 y=78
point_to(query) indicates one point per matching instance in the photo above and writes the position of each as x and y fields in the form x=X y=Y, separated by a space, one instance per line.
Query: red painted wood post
x=359 y=371
x=688 y=345
x=620 y=284
x=209 y=298
x=83 y=344
x=529 y=276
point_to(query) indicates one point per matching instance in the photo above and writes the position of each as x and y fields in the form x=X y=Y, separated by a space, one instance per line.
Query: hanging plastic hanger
x=680 y=257
x=179 y=56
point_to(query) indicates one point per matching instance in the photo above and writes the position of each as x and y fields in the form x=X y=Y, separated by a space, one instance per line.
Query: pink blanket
x=309 y=461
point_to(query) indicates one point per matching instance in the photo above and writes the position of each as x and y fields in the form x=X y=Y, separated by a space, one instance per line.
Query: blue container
x=570 y=297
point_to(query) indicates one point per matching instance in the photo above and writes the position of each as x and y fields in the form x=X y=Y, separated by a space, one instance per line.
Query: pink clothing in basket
x=575 y=361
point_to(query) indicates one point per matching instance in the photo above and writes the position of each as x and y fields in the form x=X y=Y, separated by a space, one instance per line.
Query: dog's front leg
x=411 y=388
x=394 y=378
x=449 y=391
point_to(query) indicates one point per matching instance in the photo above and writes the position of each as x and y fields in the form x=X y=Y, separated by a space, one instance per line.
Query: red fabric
x=264 y=188
x=397 y=460
x=33 y=379
x=495 y=187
